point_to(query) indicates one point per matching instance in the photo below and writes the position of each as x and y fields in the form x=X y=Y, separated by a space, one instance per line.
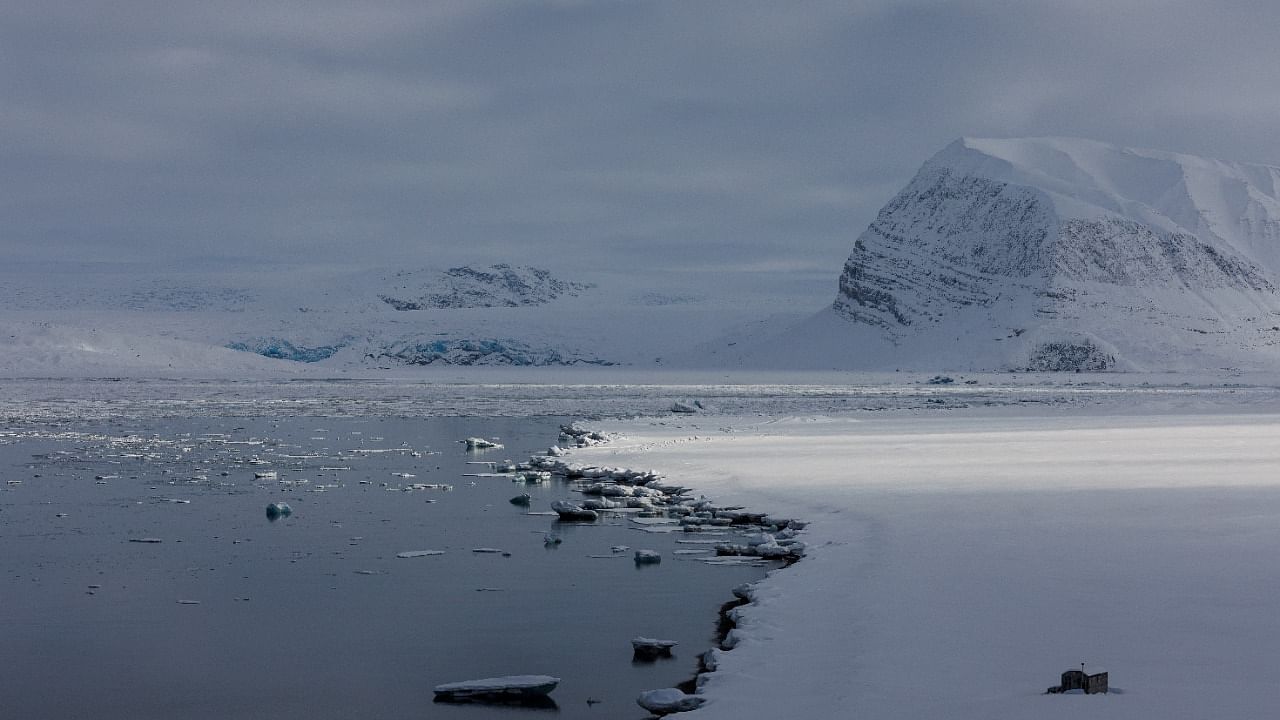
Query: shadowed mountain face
x=1074 y=255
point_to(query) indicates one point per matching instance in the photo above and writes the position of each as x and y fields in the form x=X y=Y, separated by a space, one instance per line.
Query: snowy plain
x=959 y=563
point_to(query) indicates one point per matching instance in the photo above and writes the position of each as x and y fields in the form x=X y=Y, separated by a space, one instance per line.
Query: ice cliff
x=1064 y=254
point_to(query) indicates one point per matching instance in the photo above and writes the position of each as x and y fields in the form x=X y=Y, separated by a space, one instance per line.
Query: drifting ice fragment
x=667 y=701
x=513 y=688
x=278 y=510
x=418 y=553
x=648 y=557
x=650 y=648
x=475 y=443
x=522 y=500
x=572 y=511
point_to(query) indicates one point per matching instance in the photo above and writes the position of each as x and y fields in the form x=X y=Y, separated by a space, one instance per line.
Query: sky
x=643 y=136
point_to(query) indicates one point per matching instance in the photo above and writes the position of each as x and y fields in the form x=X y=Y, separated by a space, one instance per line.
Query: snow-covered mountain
x=1062 y=254
x=1031 y=254
x=467 y=287
x=191 y=321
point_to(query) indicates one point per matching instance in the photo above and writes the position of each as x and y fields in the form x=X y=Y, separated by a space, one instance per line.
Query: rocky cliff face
x=1074 y=255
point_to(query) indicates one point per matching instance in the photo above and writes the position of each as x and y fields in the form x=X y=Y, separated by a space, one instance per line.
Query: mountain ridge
x=1091 y=246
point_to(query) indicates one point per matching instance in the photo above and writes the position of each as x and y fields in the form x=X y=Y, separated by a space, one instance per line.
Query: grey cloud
x=584 y=134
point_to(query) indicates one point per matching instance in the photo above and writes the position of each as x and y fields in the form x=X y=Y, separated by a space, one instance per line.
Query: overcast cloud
x=714 y=135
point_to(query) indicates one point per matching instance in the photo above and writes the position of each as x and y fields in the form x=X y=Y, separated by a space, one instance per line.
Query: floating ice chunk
x=572 y=511
x=668 y=700
x=428 y=486
x=268 y=475
x=188 y=602
x=475 y=443
x=146 y=540
x=418 y=553
x=512 y=688
x=522 y=500
x=490 y=551
x=278 y=510
x=648 y=557
x=619 y=548
x=644 y=648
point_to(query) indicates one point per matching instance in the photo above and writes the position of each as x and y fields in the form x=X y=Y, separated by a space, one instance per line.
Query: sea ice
x=668 y=700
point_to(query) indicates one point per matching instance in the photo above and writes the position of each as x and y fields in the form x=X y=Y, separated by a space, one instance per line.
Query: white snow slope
x=957 y=565
x=357 y=320
x=1058 y=254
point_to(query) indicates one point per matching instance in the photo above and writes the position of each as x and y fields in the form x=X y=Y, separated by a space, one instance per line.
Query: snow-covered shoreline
x=958 y=564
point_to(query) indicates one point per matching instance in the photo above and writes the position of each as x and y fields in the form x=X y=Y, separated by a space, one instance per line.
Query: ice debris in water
x=277 y=510
x=475 y=443
x=568 y=510
x=648 y=557
x=497 y=689
x=668 y=700
x=644 y=648
x=418 y=553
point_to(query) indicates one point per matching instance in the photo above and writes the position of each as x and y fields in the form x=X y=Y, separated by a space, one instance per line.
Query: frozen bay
x=958 y=564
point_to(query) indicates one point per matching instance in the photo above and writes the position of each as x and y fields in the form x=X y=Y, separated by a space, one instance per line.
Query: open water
x=313 y=615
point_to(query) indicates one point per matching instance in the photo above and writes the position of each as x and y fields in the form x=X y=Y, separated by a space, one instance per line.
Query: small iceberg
x=276 y=511
x=475 y=443
x=644 y=648
x=568 y=510
x=648 y=557
x=517 y=689
x=668 y=700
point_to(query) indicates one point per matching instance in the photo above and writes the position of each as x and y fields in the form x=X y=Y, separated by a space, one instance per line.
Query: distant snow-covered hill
x=467 y=287
x=255 y=318
x=1060 y=254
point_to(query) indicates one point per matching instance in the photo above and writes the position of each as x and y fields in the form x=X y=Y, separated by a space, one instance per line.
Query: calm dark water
x=313 y=616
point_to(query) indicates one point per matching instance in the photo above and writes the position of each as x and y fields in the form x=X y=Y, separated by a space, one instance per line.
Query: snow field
x=958 y=565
